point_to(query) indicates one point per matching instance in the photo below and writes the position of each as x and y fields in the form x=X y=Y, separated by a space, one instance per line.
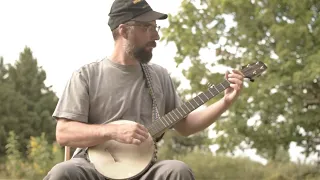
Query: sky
x=65 y=35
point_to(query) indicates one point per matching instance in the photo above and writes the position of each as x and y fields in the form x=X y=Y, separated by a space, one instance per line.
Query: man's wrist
x=107 y=131
x=226 y=103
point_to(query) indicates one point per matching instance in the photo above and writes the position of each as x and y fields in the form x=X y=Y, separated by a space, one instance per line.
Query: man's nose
x=155 y=36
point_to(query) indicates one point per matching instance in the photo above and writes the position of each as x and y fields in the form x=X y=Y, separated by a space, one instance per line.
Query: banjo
x=121 y=161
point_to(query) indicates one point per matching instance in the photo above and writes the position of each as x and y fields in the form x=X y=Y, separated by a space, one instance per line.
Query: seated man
x=115 y=88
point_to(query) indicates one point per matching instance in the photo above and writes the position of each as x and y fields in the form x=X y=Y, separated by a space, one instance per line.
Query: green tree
x=280 y=107
x=3 y=70
x=12 y=106
x=27 y=103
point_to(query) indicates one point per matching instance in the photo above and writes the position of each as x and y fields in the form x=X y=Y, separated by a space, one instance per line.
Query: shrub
x=42 y=156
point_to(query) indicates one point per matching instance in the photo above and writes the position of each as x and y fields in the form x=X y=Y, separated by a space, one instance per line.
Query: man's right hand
x=131 y=133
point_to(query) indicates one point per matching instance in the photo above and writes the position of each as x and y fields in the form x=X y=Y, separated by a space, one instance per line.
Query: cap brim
x=150 y=16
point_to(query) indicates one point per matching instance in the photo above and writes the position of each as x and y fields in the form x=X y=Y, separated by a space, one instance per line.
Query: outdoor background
x=271 y=133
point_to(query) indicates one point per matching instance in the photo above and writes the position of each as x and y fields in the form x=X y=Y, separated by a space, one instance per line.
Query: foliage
x=26 y=103
x=174 y=145
x=206 y=166
x=42 y=156
x=292 y=171
x=15 y=164
x=282 y=106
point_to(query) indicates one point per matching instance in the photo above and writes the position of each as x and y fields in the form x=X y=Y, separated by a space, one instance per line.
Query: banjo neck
x=159 y=126
x=167 y=121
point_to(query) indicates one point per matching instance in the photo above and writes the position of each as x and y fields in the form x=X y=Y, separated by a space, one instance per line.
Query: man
x=114 y=88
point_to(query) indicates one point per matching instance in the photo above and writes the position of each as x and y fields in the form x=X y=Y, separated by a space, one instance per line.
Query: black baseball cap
x=123 y=11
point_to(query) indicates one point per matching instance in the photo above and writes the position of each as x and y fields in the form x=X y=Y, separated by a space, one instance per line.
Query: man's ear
x=123 y=31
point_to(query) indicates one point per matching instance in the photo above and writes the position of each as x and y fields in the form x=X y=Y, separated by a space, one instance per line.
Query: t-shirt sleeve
x=74 y=101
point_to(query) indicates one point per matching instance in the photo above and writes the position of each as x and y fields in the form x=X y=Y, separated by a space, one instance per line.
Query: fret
x=211 y=92
x=226 y=83
x=201 y=98
x=166 y=122
x=179 y=112
x=175 y=115
x=172 y=119
x=220 y=87
x=169 y=120
x=170 y=116
x=155 y=130
x=206 y=96
x=196 y=102
x=190 y=104
x=183 y=110
x=187 y=107
x=158 y=126
x=201 y=101
x=193 y=105
x=155 y=127
x=216 y=89
x=162 y=122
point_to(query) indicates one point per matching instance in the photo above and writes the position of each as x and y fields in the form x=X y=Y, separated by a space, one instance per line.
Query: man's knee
x=63 y=171
x=178 y=169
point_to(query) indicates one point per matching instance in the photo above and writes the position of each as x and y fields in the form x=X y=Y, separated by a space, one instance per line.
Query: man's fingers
x=238 y=72
x=142 y=127
x=142 y=133
x=235 y=86
x=235 y=81
x=238 y=76
x=139 y=137
x=136 y=141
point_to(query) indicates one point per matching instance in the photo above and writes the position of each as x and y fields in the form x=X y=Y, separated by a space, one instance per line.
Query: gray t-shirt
x=105 y=91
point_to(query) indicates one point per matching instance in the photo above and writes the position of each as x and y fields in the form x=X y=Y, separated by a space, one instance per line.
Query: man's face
x=141 y=40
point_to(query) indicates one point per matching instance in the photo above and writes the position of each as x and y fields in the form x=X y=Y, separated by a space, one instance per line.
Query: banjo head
x=117 y=160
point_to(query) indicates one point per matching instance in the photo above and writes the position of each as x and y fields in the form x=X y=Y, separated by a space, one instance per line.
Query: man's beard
x=140 y=53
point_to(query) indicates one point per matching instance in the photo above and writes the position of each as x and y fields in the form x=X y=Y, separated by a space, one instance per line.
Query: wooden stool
x=66 y=153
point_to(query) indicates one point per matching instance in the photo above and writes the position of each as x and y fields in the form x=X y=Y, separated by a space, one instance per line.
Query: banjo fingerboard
x=167 y=121
x=174 y=116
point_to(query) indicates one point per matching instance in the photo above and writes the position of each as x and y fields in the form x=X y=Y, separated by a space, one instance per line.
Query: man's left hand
x=236 y=80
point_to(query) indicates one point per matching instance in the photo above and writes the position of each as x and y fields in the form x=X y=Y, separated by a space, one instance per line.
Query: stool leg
x=66 y=153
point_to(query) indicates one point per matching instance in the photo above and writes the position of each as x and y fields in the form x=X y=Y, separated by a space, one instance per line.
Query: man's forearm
x=77 y=134
x=199 y=120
